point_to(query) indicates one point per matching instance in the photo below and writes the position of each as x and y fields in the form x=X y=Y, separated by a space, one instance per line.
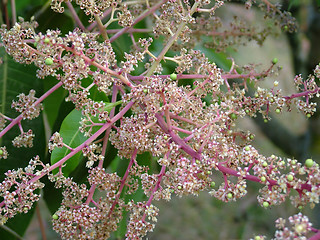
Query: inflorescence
x=190 y=130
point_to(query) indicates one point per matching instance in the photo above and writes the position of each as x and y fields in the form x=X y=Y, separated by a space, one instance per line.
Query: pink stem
x=302 y=94
x=156 y=187
x=104 y=146
x=138 y=19
x=39 y=100
x=94 y=24
x=176 y=138
x=75 y=16
x=123 y=181
x=315 y=237
x=81 y=146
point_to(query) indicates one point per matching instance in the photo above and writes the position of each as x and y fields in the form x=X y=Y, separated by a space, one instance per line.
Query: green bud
x=229 y=195
x=46 y=40
x=165 y=137
x=212 y=184
x=293 y=162
x=308 y=115
x=35 y=44
x=233 y=116
x=55 y=216
x=49 y=61
x=285 y=28
x=263 y=179
x=300 y=208
x=265 y=120
x=264 y=164
x=179 y=187
x=1 y=152
x=257 y=238
x=265 y=204
x=197 y=162
x=25 y=209
x=275 y=61
x=309 y=163
x=290 y=177
x=145 y=90
x=247 y=148
x=278 y=110
x=173 y=76
x=251 y=136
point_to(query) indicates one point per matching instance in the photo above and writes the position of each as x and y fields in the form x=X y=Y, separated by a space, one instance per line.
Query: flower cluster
x=25 y=193
x=26 y=106
x=186 y=121
x=55 y=141
x=25 y=139
x=299 y=227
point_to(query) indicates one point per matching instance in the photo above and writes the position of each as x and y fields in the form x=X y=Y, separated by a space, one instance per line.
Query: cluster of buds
x=189 y=128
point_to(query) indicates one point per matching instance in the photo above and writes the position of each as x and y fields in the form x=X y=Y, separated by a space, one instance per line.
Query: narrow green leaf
x=72 y=136
x=52 y=103
x=221 y=59
x=18 y=224
x=16 y=78
x=52 y=195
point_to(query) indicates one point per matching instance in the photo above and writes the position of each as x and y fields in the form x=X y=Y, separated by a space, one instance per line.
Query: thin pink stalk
x=18 y=119
x=183 y=119
x=13 y=12
x=105 y=69
x=185 y=147
x=302 y=94
x=315 y=237
x=123 y=181
x=75 y=16
x=181 y=130
x=201 y=76
x=156 y=187
x=232 y=172
x=132 y=30
x=104 y=146
x=84 y=144
x=94 y=24
x=138 y=19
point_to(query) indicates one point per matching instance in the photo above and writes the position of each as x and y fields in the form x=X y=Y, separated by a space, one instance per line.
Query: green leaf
x=95 y=94
x=72 y=136
x=52 y=195
x=53 y=20
x=53 y=102
x=294 y=3
x=108 y=108
x=16 y=78
x=18 y=224
x=221 y=59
